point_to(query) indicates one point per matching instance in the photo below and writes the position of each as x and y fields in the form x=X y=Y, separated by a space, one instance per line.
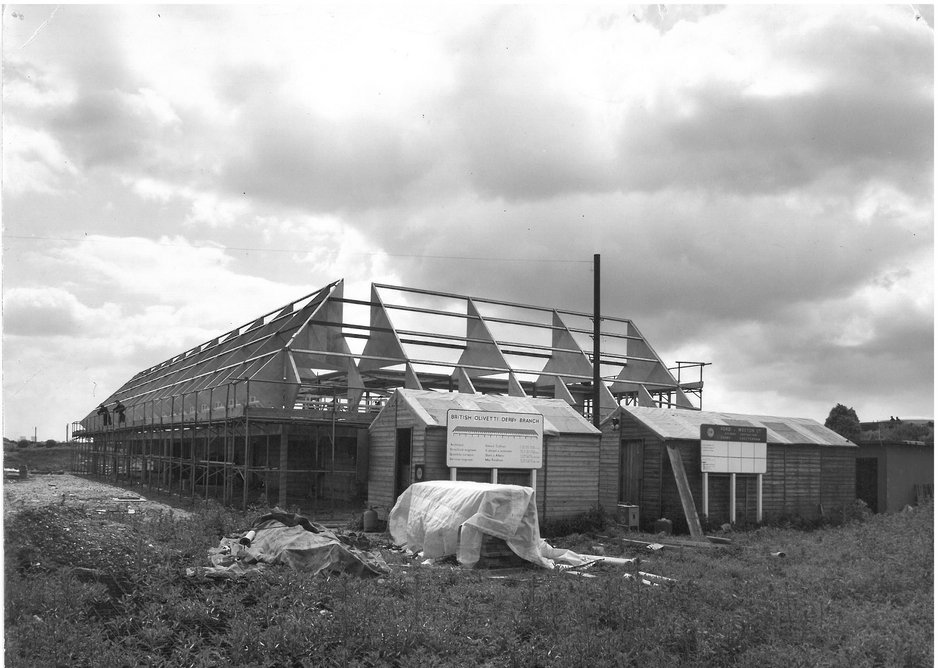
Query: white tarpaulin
x=443 y=517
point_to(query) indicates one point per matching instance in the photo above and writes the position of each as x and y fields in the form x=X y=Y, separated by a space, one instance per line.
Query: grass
x=856 y=595
x=39 y=458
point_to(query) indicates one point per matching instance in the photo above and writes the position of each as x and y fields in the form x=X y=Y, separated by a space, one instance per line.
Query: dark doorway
x=868 y=482
x=631 y=456
x=402 y=463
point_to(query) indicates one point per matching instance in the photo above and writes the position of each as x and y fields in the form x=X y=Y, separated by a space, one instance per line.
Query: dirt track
x=79 y=492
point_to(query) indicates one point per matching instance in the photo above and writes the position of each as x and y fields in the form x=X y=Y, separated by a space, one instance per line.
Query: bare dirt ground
x=73 y=491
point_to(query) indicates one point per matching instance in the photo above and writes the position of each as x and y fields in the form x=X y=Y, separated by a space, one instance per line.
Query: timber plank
x=687 y=498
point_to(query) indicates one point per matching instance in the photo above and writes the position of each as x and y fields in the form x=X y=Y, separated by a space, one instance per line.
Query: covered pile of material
x=443 y=518
x=292 y=540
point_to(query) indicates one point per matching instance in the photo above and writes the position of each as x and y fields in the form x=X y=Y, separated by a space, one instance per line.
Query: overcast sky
x=758 y=179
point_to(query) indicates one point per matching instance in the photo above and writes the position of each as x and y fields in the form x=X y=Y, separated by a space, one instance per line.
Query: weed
x=857 y=594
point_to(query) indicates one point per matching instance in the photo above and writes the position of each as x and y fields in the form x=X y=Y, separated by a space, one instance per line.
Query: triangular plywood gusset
x=568 y=362
x=356 y=384
x=268 y=385
x=514 y=386
x=481 y=349
x=463 y=381
x=321 y=332
x=314 y=335
x=645 y=399
x=561 y=391
x=383 y=341
x=411 y=381
x=607 y=402
x=645 y=370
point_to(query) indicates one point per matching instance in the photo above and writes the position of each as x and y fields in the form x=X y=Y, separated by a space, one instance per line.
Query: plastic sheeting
x=294 y=541
x=442 y=518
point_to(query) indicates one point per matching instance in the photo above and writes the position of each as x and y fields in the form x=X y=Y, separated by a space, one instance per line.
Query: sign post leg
x=706 y=494
x=732 y=498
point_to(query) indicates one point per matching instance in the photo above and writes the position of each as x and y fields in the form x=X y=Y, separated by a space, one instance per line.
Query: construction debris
x=280 y=538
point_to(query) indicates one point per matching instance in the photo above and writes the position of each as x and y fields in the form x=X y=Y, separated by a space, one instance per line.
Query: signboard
x=488 y=439
x=732 y=449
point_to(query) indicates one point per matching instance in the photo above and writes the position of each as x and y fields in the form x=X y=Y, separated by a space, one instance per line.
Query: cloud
x=753 y=145
x=294 y=157
x=42 y=312
x=681 y=108
x=872 y=350
x=758 y=180
x=729 y=258
x=33 y=162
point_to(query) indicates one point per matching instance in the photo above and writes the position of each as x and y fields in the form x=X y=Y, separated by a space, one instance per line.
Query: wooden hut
x=892 y=470
x=408 y=441
x=809 y=469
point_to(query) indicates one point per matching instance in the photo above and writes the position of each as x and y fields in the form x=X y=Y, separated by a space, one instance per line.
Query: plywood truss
x=308 y=355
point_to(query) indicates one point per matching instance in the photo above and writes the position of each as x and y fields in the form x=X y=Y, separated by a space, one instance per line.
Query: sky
x=758 y=180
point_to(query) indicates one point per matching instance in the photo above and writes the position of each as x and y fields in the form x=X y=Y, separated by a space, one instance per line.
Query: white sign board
x=731 y=449
x=487 y=439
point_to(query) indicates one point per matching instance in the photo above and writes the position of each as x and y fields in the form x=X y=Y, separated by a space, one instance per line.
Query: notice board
x=495 y=440
x=732 y=449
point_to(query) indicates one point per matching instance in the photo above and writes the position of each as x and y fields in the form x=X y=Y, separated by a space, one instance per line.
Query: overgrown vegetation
x=82 y=590
x=38 y=457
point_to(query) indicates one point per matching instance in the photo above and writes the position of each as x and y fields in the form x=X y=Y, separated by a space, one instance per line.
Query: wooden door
x=402 y=461
x=867 y=488
x=631 y=471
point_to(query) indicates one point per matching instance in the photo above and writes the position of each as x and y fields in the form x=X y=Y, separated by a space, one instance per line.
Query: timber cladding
x=383 y=469
x=801 y=480
x=567 y=483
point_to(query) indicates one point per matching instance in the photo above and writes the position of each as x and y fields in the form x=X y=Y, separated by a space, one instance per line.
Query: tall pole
x=596 y=374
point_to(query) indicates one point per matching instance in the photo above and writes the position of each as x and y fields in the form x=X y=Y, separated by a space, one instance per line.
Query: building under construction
x=277 y=411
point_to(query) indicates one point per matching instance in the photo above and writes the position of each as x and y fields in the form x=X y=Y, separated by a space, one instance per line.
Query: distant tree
x=911 y=431
x=51 y=443
x=844 y=421
x=24 y=443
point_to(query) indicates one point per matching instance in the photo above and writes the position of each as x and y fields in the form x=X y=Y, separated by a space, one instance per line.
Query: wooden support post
x=247 y=443
x=758 y=498
x=732 y=498
x=494 y=476
x=534 y=481
x=208 y=444
x=452 y=473
x=227 y=481
x=706 y=494
x=284 y=459
x=683 y=488
x=192 y=448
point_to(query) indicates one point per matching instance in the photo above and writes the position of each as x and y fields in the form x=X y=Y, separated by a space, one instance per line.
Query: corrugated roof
x=674 y=423
x=559 y=417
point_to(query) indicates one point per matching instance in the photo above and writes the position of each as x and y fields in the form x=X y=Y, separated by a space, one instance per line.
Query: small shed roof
x=671 y=423
x=559 y=417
